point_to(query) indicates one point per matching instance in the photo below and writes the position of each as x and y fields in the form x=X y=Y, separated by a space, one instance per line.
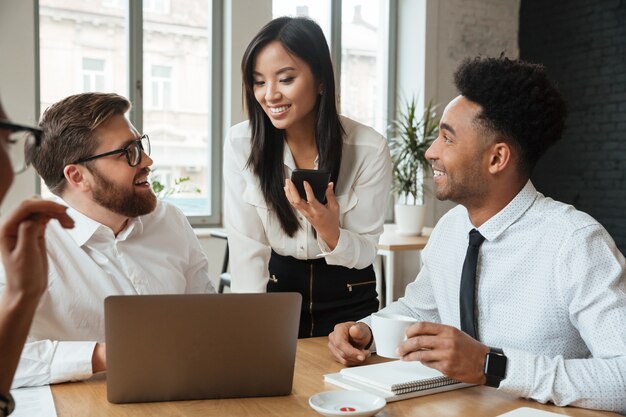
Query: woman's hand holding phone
x=323 y=217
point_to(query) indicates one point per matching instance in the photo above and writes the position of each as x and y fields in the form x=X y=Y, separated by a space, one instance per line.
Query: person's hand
x=99 y=358
x=447 y=349
x=347 y=342
x=323 y=217
x=23 y=246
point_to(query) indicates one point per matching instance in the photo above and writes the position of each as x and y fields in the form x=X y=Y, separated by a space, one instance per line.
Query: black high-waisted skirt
x=331 y=294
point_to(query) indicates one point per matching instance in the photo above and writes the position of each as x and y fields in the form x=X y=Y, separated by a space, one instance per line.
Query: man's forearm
x=595 y=383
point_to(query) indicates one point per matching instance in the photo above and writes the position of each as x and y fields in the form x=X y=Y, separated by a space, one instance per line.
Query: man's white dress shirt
x=550 y=291
x=362 y=191
x=155 y=254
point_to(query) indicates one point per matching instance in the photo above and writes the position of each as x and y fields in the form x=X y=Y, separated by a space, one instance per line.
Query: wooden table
x=88 y=398
x=389 y=243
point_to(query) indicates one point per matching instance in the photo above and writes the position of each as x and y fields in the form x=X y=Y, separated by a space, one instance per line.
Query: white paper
x=529 y=412
x=33 y=402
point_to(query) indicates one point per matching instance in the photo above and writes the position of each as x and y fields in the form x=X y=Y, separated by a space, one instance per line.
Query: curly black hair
x=518 y=101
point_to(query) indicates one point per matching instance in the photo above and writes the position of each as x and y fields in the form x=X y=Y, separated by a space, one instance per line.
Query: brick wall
x=467 y=28
x=472 y=27
x=582 y=43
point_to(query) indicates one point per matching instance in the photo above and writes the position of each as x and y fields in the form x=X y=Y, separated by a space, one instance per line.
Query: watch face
x=496 y=365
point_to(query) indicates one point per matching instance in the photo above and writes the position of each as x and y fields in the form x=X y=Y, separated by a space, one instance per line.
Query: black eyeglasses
x=20 y=138
x=132 y=151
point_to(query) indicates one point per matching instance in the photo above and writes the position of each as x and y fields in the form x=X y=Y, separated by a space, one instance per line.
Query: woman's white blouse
x=362 y=192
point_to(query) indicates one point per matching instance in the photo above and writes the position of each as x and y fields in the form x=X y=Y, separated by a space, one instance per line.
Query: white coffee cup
x=389 y=331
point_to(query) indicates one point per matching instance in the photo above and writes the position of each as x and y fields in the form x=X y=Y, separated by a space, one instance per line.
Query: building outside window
x=156 y=6
x=93 y=37
x=86 y=45
x=364 y=53
x=93 y=74
x=364 y=61
x=318 y=10
x=120 y=4
x=161 y=87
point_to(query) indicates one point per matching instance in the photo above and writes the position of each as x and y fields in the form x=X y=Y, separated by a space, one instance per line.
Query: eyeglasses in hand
x=20 y=137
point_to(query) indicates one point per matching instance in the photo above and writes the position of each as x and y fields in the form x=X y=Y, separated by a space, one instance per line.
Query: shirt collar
x=133 y=227
x=85 y=228
x=498 y=224
x=290 y=162
x=288 y=157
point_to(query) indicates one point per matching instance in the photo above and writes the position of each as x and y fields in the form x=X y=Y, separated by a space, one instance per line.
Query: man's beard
x=127 y=202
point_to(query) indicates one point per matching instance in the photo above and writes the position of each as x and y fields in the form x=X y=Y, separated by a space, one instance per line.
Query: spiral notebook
x=395 y=380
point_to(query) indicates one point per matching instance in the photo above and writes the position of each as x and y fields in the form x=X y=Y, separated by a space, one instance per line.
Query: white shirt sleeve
x=197 y=272
x=592 y=284
x=362 y=214
x=246 y=234
x=49 y=362
x=46 y=362
x=419 y=300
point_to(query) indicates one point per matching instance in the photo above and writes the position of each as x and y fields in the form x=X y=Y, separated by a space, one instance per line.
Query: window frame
x=336 y=10
x=217 y=77
x=137 y=86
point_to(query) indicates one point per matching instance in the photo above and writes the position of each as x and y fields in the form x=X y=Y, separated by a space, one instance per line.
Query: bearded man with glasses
x=124 y=242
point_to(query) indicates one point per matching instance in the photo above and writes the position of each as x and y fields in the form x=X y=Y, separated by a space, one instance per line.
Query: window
x=157 y=6
x=364 y=61
x=317 y=10
x=162 y=63
x=362 y=49
x=93 y=74
x=149 y=6
x=176 y=113
x=118 y=4
x=363 y=52
x=75 y=46
x=161 y=87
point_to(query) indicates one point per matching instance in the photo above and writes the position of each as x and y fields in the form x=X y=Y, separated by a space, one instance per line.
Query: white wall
x=243 y=19
x=18 y=80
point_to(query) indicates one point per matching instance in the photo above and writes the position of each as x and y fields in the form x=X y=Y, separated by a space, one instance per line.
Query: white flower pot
x=409 y=219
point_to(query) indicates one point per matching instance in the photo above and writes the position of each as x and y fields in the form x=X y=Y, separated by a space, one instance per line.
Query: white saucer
x=346 y=403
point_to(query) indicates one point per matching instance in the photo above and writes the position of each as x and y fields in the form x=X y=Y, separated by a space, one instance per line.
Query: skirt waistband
x=290 y=260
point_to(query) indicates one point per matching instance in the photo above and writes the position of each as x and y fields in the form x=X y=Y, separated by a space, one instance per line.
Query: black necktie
x=468 y=284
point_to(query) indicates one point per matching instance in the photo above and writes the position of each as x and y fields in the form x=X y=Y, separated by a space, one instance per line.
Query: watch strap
x=492 y=379
x=7 y=405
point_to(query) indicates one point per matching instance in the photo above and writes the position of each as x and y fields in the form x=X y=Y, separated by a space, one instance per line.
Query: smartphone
x=318 y=179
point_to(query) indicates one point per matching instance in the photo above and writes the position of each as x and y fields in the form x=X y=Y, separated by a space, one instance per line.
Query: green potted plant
x=411 y=135
x=181 y=185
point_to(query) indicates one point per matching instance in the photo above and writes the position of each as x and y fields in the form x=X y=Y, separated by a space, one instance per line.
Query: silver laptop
x=186 y=347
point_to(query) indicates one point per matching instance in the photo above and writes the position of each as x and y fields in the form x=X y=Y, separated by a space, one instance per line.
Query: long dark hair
x=303 y=38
